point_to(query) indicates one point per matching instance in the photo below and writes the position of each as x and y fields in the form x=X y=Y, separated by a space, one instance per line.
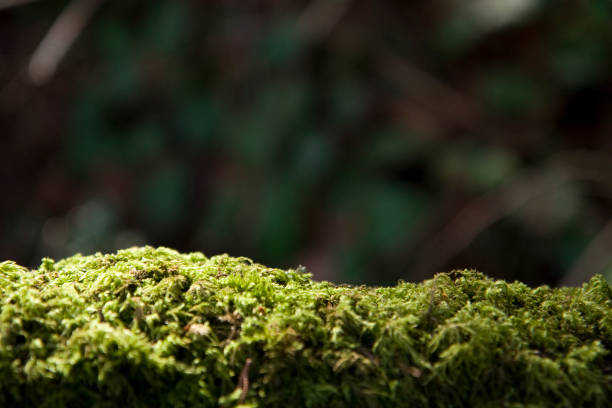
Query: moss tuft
x=151 y=327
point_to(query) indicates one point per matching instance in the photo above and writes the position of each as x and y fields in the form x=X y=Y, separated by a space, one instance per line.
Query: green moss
x=150 y=327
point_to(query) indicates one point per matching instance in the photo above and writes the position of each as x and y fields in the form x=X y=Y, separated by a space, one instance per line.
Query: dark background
x=369 y=141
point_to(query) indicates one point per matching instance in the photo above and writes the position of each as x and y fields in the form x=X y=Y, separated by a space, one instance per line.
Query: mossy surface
x=150 y=327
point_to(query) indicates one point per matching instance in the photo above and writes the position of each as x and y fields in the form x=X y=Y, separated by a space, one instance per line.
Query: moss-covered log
x=149 y=327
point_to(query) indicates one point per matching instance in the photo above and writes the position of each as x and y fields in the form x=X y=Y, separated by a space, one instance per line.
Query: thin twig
x=6 y=4
x=594 y=259
x=484 y=211
x=243 y=380
x=445 y=103
x=480 y=214
x=321 y=16
x=60 y=37
x=433 y=99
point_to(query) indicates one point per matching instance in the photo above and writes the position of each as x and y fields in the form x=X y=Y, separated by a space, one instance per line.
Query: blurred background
x=368 y=141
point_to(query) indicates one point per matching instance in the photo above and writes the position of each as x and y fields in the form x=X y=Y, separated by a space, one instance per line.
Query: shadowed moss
x=150 y=327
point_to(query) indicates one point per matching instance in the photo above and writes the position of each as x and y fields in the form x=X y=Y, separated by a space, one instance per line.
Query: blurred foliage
x=351 y=138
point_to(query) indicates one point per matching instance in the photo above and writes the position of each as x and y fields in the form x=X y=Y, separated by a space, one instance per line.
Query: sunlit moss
x=149 y=327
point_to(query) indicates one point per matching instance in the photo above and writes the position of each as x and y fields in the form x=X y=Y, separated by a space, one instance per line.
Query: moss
x=149 y=327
